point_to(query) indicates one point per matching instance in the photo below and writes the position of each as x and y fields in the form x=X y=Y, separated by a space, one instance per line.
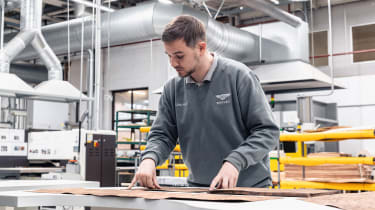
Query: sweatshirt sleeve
x=162 y=137
x=257 y=116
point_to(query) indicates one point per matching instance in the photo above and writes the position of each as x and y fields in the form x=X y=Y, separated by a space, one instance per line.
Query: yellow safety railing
x=327 y=136
x=311 y=161
x=145 y=129
x=327 y=185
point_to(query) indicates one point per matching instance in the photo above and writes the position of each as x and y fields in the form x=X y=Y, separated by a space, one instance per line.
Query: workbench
x=13 y=185
x=17 y=172
x=32 y=199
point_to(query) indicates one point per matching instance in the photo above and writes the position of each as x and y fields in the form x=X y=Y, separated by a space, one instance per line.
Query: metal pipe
x=98 y=40
x=207 y=10
x=218 y=11
x=2 y=25
x=344 y=53
x=90 y=87
x=312 y=32
x=273 y=11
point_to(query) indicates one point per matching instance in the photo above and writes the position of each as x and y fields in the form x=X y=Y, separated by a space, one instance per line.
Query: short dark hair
x=185 y=27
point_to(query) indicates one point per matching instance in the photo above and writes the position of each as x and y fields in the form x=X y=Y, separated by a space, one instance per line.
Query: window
x=363 y=39
x=129 y=100
x=319 y=48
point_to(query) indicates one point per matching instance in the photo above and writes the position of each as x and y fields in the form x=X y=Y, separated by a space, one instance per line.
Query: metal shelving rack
x=147 y=113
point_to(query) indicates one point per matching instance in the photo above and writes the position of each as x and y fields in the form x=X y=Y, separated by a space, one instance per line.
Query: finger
x=149 y=182
x=232 y=183
x=235 y=182
x=156 y=182
x=214 y=183
x=220 y=184
x=142 y=181
x=225 y=182
x=133 y=182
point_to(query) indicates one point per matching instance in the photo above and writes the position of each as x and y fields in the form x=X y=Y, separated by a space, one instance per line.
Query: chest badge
x=223 y=98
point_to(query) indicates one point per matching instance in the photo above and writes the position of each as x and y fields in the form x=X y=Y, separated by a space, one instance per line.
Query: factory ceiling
x=232 y=11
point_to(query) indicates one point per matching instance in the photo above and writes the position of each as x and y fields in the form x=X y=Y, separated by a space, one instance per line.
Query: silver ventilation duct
x=147 y=22
x=273 y=11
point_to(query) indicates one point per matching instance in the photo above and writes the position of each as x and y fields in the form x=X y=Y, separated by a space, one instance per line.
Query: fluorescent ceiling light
x=90 y=4
x=275 y=2
x=165 y=1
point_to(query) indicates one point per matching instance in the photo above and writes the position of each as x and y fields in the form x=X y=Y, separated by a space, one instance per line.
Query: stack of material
x=337 y=173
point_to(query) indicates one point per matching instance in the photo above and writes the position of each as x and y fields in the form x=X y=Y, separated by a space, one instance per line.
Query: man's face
x=183 y=58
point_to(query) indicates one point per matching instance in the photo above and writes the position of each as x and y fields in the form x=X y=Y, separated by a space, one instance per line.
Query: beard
x=189 y=72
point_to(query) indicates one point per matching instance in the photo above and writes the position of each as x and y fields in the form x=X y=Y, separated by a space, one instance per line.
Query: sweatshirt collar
x=210 y=72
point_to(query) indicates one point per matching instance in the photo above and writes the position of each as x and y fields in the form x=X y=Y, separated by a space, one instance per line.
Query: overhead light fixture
x=275 y=2
x=165 y=1
x=90 y=4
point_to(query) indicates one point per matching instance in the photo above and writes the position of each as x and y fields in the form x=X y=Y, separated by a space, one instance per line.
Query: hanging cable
x=68 y=17
x=2 y=24
x=312 y=32
x=330 y=53
x=92 y=25
x=108 y=37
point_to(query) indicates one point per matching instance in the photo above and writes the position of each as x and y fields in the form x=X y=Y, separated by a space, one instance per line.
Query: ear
x=202 y=46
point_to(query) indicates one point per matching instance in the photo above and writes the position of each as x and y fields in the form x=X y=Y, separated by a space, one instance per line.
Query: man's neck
x=203 y=69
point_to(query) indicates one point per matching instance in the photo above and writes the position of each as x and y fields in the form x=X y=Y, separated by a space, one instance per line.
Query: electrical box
x=101 y=159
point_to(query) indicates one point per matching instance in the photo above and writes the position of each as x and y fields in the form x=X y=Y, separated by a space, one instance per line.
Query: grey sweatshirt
x=227 y=118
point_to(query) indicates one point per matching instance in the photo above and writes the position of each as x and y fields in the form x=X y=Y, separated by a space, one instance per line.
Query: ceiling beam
x=11 y=20
x=56 y=3
x=52 y=19
x=58 y=12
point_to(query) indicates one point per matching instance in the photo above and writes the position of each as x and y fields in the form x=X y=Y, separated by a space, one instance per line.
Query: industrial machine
x=93 y=151
x=13 y=149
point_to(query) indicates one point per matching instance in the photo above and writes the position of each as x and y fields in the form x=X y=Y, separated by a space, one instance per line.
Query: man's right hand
x=146 y=175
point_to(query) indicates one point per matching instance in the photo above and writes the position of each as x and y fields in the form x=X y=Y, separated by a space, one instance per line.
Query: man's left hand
x=226 y=178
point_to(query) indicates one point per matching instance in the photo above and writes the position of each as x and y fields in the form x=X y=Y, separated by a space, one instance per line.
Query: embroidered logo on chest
x=223 y=98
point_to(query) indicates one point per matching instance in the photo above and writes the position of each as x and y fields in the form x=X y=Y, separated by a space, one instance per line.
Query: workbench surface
x=32 y=199
x=12 y=185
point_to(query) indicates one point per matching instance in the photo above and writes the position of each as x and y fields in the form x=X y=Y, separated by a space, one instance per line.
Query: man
x=218 y=111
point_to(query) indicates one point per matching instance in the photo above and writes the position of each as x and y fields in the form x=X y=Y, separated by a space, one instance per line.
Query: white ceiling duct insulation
x=10 y=84
x=54 y=89
x=147 y=21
